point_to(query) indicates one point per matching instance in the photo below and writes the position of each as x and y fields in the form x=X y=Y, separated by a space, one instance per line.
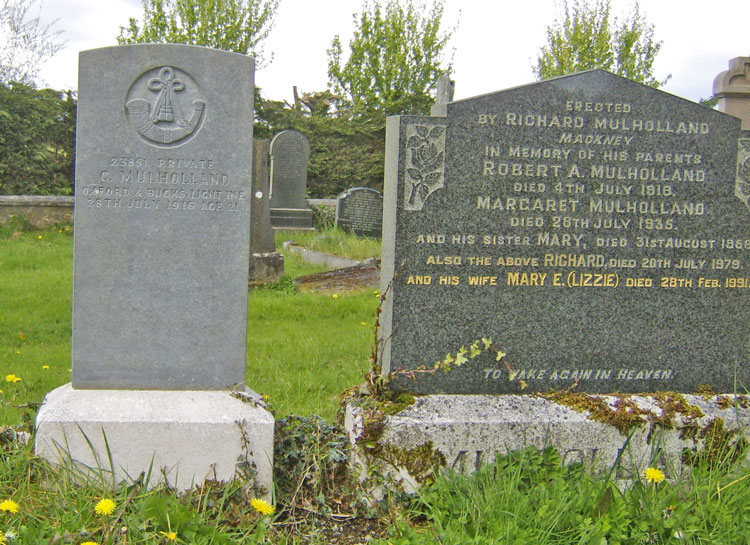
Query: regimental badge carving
x=742 y=183
x=165 y=107
x=425 y=163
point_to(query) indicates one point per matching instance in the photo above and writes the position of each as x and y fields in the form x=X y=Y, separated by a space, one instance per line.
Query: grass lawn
x=303 y=349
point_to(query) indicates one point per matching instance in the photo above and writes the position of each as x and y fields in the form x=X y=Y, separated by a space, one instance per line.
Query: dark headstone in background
x=588 y=225
x=360 y=209
x=266 y=264
x=290 y=152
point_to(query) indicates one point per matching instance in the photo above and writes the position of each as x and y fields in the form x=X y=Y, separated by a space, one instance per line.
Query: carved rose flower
x=426 y=157
x=744 y=170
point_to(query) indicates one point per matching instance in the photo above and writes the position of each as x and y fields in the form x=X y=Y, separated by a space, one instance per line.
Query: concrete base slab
x=463 y=432
x=291 y=218
x=181 y=437
x=265 y=268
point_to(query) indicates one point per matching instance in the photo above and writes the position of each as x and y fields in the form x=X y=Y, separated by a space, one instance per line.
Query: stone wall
x=40 y=211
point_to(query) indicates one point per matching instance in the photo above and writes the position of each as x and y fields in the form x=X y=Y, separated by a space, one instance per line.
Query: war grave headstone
x=266 y=264
x=163 y=186
x=582 y=234
x=290 y=152
x=360 y=210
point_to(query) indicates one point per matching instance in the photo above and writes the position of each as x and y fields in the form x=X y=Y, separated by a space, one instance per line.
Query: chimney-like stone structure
x=732 y=88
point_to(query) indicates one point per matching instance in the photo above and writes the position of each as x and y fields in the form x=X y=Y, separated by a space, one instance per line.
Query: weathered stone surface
x=590 y=226
x=39 y=211
x=163 y=171
x=261 y=232
x=266 y=264
x=185 y=437
x=358 y=277
x=360 y=210
x=162 y=241
x=732 y=88
x=290 y=152
x=468 y=431
x=266 y=268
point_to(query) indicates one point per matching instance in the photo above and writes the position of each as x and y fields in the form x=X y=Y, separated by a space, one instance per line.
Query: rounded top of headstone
x=351 y=190
x=291 y=137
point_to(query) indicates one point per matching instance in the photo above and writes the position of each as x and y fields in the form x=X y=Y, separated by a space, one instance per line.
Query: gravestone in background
x=289 y=153
x=163 y=171
x=589 y=226
x=266 y=264
x=360 y=209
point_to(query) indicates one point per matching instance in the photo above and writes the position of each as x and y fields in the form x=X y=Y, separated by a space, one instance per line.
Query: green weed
x=529 y=497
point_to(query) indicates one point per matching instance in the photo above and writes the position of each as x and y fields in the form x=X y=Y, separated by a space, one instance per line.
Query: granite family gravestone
x=360 y=210
x=592 y=228
x=163 y=171
x=290 y=152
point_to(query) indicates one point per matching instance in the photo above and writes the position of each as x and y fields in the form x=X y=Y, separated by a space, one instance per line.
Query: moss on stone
x=672 y=405
x=728 y=401
x=624 y=417
x=626 y=414
x=422 y=463
x=717 y=447
x=705 y=390
x=397 y=404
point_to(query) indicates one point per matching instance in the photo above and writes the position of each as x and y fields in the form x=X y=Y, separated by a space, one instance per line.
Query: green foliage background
x=585 y=35
x=344 y=152
x=37 y=140
x=393 y=64
x=395 y=58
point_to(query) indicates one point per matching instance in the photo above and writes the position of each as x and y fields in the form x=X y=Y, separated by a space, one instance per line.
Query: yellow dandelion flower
x=9 y=506
x=335 y=295
x=3 y=539
x=171 y=536
x=262 y=506
x=40 y=237
x=105 y=507
x=45 y=367
x=653 y=475
x=363 y=323
x=89 y=543
x=12 y=378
